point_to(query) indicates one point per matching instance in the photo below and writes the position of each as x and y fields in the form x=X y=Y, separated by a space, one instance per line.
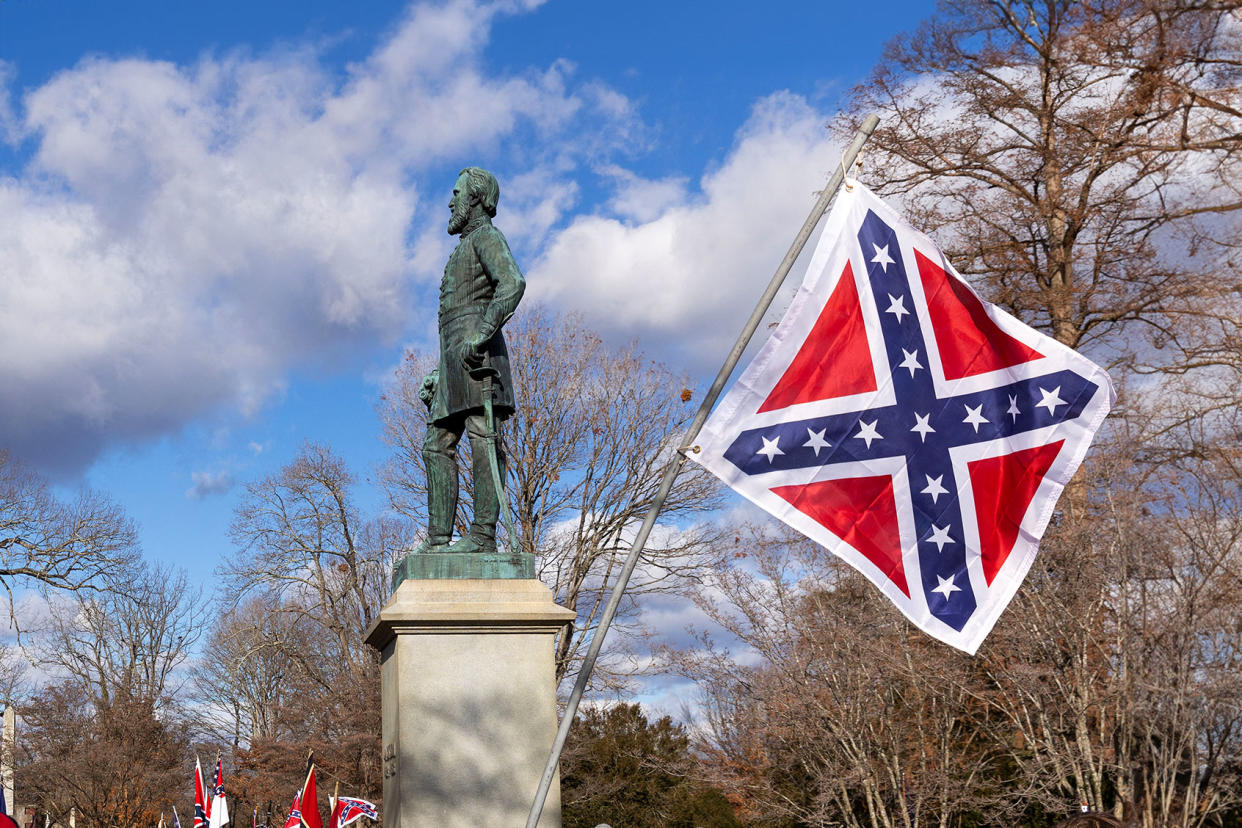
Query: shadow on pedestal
x=468 y=694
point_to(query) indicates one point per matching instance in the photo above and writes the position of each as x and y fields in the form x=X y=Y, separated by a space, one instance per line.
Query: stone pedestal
x=469 y=701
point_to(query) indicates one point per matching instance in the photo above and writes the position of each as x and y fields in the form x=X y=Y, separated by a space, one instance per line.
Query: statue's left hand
x=475 y=348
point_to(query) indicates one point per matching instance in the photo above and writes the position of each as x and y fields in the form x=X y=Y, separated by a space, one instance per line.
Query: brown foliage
x=269 y=772
x=118 y=765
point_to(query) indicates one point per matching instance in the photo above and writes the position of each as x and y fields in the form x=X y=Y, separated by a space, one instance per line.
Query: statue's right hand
x=428 y=389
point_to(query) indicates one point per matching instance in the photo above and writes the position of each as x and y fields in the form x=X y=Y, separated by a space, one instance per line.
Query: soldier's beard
x=458 y=220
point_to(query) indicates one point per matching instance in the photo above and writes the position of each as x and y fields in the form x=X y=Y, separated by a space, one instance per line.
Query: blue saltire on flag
x=914 y=430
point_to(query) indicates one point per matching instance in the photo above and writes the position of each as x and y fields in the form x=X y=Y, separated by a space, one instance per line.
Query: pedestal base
x=468 y=700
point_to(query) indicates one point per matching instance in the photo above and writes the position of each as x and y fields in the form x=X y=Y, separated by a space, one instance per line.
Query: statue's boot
x=473 y=543
x=441 y=500
x=482 y=534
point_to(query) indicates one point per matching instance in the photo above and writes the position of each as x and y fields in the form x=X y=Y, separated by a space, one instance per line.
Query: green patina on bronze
x=463 y=565
x=481 y=288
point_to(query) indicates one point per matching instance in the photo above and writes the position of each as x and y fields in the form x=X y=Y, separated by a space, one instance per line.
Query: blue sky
x=223 y=222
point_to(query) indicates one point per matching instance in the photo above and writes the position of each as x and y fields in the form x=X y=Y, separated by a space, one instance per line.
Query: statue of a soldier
x=480 y=290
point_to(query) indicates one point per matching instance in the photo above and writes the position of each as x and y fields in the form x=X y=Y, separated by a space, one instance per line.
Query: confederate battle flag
x=914 y=430
x=201 y=803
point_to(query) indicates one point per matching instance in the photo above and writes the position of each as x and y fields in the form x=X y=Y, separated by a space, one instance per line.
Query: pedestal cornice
x=480 y=606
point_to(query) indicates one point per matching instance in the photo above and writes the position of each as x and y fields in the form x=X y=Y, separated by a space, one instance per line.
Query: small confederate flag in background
x=914 y=430
x=349 y=809
x=201 y=804
x=218 y=806
x=294 y=820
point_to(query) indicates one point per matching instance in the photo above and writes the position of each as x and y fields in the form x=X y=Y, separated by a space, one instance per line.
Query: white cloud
x=208 y=483
x=184 y=235
x=642 y=200
x=672 y=265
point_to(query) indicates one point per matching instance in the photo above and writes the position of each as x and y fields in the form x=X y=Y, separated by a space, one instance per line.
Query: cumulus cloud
x=676 y=266
x=183 y=235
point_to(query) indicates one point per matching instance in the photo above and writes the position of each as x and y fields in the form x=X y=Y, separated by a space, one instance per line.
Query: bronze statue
x=472 y=387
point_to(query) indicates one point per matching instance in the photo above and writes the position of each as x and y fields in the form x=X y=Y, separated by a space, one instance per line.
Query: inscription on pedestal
x=462 y=566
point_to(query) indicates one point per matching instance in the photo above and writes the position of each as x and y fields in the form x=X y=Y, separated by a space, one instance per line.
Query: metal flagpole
x=674 y=466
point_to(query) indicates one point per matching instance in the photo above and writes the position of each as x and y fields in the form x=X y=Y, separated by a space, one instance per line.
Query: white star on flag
x=974 y=417
x=1051 y=399
x=1013 y=408
x=940 y=536
x=911 y=362
x=817 y=440
x=770 y=448
x=922 y=427
x=866 y=431
x=897 y=306
x=881 y=257
x=934 y=488
x=946 y=586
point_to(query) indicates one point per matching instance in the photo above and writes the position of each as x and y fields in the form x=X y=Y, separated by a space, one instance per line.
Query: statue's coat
x=481 y=288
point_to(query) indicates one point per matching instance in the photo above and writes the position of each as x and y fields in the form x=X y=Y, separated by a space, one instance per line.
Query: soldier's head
x=476 y=189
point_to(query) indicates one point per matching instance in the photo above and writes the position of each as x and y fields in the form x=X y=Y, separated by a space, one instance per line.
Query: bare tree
x=306 y=555
x=301 y=540
x=56 y=544
x=125 y=641
x=1119 y=667
x=586 y=449
x=822 y=706
x=1080 y=160
x=13 y=672
x=245 y=675
x=1113 y=679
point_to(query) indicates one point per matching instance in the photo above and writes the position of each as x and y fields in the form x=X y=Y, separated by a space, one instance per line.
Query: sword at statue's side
x=679 y=459
x=486 y=374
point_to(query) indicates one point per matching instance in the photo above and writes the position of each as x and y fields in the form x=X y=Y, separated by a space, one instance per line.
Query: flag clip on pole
x=679 y=459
